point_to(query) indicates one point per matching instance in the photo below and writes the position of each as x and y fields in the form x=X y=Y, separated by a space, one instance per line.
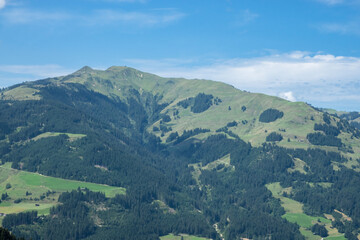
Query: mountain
x=196 y=157
x=122 y=83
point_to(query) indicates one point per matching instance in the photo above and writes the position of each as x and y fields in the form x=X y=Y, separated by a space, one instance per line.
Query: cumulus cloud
x=288 y=96
x=323 y=80
x=2 y=4
x=245 y=17
x=314 y=78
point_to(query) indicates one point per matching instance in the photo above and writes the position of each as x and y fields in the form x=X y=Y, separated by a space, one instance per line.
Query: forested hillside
x=196 y=157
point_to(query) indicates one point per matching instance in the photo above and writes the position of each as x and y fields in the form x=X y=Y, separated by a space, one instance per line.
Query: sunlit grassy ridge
x=298 y=120
x=21 y=93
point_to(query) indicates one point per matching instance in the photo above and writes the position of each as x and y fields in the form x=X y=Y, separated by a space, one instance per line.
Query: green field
x=72 y=136
x=341 y=237
x=295 y=214
x=304 y=220
x=184 y=237
x=290 y=205
x=43 y=191
x=21 y=93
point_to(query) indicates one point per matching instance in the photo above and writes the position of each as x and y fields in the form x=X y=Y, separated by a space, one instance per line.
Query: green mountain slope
x=121 y=83
x=197 y=157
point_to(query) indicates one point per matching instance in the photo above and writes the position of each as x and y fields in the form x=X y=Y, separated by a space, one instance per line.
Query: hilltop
x=226 y=105
x=196 y=157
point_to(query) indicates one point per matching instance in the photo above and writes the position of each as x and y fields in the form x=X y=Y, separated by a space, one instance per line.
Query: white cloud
x=38 y=71
x=323 y=80
x=245 y=17
x=310 y=77
x=288 y=96
x=152 y=18
x=13 y=74
x=2 y=4
x=98 y=17
x=352 y=27
x=25 y=16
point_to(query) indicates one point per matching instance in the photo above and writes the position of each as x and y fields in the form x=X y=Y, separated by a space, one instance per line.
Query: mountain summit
x=196 y=157
x=225 y=105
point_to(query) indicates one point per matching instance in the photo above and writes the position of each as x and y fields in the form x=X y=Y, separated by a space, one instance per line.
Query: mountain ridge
x=191 y=154
x=118 y=82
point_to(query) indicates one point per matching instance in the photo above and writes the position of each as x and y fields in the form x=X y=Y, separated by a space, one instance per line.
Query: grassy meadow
x=72 y=136
x=37 y=192
x=181 y=237
x=295 y=214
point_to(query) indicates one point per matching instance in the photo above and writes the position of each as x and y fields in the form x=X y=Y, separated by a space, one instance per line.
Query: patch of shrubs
x=327 y=129
x=232 y=124
x=270 y=115
x=326 y=118
x=172 y=137
x=166 y=118
x=320 y=230
x=186 y=103
x=274 y=137
x=200 y=103
x=165 y=129
x=324 y=140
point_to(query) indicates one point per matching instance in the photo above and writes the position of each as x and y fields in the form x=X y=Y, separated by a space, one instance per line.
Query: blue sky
x=301 y=50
